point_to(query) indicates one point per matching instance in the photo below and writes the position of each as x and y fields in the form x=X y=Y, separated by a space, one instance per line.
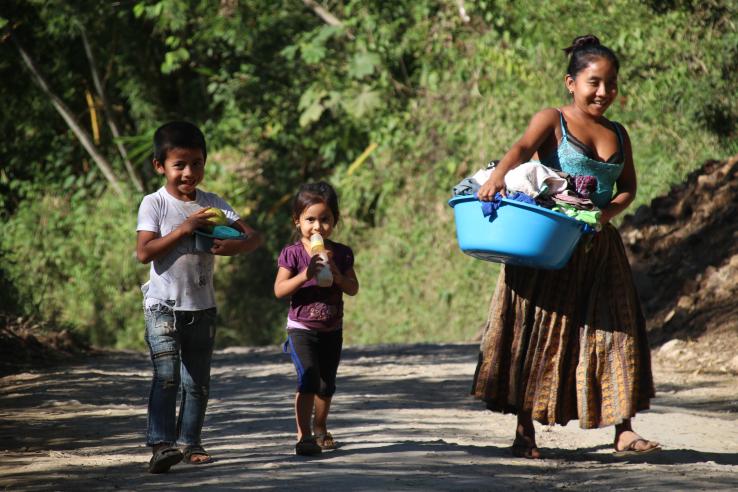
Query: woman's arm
x=627 y=184
x=540 y=127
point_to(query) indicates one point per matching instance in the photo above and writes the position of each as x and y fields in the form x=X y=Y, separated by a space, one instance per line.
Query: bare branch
x=327 y=17
x=462 y=11
x=63 y=110
x=109 y=115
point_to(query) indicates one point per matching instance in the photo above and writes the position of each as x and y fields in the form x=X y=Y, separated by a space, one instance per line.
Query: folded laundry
x=482 y=176
x=572 y=198
x=467 y=186
x=590 y=217
x=489 y=209
x=585 y=185
x=471 y=184
x=534 y=179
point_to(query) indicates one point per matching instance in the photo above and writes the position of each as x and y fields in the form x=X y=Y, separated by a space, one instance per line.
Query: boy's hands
x=198 y=220
x=150 y=246
x=230 y=247
x=226 y=247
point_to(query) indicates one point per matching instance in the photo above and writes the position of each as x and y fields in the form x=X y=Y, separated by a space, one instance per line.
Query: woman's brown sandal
x=523 y=448
x=632 y=448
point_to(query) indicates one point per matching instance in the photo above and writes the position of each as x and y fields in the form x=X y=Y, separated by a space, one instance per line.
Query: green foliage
x=394 y=106
x=73 y=263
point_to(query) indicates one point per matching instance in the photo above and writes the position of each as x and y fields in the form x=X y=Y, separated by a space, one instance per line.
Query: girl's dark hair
x=178 y=134
x=312 y=193
x=583 y=50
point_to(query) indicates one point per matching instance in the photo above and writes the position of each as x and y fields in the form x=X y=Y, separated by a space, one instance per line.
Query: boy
x=179 y=302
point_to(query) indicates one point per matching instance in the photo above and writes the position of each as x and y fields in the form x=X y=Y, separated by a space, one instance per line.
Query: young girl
x=315 y=318
x=571 y=343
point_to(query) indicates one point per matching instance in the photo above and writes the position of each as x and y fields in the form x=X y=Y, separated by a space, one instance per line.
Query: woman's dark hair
x=312 y=193
x=583 y=50
x=178 y=135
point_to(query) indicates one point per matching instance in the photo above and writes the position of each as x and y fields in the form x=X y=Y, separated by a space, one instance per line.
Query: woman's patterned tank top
x=570 y=159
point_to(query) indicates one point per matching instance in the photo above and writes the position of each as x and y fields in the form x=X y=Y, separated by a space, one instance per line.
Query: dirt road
x=402 y=414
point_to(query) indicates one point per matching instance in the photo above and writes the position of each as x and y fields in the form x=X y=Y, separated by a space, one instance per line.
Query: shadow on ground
x=403 y=425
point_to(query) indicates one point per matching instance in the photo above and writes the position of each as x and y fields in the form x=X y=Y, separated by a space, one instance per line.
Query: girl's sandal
x=325 y=441
x=307 y=446
x=196 y=450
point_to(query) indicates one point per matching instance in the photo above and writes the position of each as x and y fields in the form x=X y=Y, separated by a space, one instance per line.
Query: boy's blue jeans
x=181 y=347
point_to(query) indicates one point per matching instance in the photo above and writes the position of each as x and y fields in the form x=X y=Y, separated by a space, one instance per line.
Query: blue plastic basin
x=521 y=234
x=204 y=239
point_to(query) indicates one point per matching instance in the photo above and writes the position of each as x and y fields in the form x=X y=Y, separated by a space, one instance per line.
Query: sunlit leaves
x=311 y=104
x=311 y=113
x=313 y=46
x=174 y=60
x=361 y=102
x=363 y=64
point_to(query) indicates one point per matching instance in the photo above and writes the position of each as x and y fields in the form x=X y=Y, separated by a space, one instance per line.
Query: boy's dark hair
x=178 y=134
x=583 y=50
x=312 y=193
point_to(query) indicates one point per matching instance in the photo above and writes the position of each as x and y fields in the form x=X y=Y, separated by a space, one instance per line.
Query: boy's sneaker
x=307 y=446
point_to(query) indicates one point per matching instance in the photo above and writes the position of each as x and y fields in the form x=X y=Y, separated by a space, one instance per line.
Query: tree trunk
x=109 y=114
x=80 y=133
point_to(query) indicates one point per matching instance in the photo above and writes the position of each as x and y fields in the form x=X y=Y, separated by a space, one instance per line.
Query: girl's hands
x=197 y=220
x=337 y=275
x=495 y=184
x=346 y=281
x=316 y=263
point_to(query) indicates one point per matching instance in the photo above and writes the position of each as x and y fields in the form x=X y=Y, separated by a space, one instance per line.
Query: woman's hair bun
x=581 y=42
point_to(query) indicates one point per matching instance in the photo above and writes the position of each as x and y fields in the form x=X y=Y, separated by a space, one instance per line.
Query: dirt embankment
x=684 y=253
x=25 y=344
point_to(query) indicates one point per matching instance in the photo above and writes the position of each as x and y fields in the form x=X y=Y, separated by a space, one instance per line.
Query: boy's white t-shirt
x=183 y=275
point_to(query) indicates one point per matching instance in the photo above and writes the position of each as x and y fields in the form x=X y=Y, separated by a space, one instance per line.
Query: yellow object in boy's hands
x=218 y=217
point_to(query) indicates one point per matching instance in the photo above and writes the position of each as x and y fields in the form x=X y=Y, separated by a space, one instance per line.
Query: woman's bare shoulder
x=547 y=116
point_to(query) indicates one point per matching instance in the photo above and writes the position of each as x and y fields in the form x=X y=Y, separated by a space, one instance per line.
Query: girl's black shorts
x=316 y=355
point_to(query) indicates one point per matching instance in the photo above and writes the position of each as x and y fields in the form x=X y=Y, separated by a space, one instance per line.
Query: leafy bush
x=74 y=264
x=394 y=107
